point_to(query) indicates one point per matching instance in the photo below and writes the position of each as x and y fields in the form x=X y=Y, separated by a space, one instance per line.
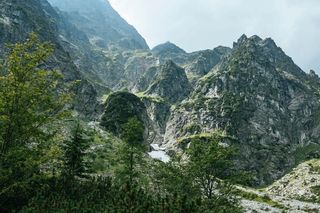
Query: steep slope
x=19 y=18
x=297 y=191
x=171 y=83
x=196 y=63
x=201 y=62
x=101 y=23
x=169 y=51
x=260 y=97
x=300 y=183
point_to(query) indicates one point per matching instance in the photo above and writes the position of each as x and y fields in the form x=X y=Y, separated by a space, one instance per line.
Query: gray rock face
x=299 y=183
x=196 y=63
x=101 y=23
x=259 y=96
x=171 y=83
x=169 y=51
x=201 y=62
x=19 y=18
x=158 y=112
x=166 y=49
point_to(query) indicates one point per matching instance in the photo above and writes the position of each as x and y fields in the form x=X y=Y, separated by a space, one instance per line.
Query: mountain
x=196 y=63
x=253 y=92
x=170 y=84
x=104 y=27
x=170 y=51
x=19 y=18
x=263 y=100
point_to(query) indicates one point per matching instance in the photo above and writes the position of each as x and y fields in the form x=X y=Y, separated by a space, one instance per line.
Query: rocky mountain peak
x=313 y=73
x=166 y=48
x=171 y=83
x=101 y=23
x=266 y=53
x=221 y=50
x=261 y=97
x=241 y=40
x=254 y=40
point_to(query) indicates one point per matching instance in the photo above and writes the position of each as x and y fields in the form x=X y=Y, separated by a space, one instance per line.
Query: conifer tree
x=130 y=160
x=75 y=164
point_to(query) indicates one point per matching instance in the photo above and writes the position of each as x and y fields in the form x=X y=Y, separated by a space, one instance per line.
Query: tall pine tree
x=75 y=164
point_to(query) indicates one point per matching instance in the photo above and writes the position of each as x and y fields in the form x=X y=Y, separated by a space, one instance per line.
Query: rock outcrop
x=300 y=183
x=120 y=107
x=259 y=96
x=19 y=18
x=170 y=84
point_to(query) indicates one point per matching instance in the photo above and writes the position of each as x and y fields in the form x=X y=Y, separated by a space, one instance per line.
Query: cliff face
x=104 y=27
x=171 y=83
x=19 y=18
x=260 y=97
x=253 y=92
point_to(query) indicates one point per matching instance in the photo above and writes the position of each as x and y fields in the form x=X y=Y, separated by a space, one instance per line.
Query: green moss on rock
x=120 y=107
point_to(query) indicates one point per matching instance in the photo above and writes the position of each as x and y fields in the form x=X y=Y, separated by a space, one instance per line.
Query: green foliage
x=130 y=159
x=29 y=102
x=307 y=152
x=204 y=181
x=133 y=132
x=210 y=164
x=75 y=148
x=316 y=191
x=192 y=128
x=154 y=98
x=28 y=97
x=173 y=179
x=19 y=175
x=120 y=107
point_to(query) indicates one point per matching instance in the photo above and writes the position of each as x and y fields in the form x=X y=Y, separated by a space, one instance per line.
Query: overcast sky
x=205 y=24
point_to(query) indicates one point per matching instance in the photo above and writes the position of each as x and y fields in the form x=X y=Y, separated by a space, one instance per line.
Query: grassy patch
x=261 y=199
x=201 y=136
x=154 y=99
x=104 y=98
x=192 y=128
